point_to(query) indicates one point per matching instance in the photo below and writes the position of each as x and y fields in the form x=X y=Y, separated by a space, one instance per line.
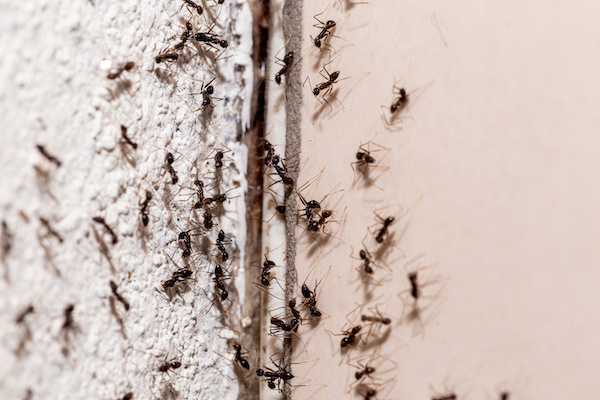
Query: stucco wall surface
x=55 y=93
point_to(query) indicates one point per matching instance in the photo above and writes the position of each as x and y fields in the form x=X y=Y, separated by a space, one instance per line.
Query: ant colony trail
x=286 y=199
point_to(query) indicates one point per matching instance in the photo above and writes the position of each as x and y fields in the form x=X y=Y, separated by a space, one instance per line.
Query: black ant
x=238 y=356
x=367 y=260
x=6 y=239
x=210 y=39
x=376 y=319
x=220 y=239
x=201 y=203
x=169 y=365
x=177 y=282
x=21 y=317
x=102 y=222
x=195 y=6
x=171 y=57
x=274 y=375
x=366 y=371
x=315 y=225
x=268 y=147
x=113 y=288
x=325 y=31
x=281 y=326
x=187 y=243
x=187 y=33
x=48 y=156
x=68 y=322
x=126 y=139
x=287 y=61
x=328 y=84
x=218 y=279
x=207 y=91
x=128 y=66
x=266 y=272
x=169 y=159
x=311 y=302
x=144 y=208
x=296 y=317
x=208 y=221
x=351 y=336
x=218 y=157
x=380 y=237
x=282 y=170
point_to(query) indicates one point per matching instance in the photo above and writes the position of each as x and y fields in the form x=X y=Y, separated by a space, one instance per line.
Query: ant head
x=313 y=205
x=316 y=91
x=260 y=372
x=218 y=270
x=362 y=254
x=277 y=80
x=175 y=364
x=224 y=295
x=145 y=219
x=306 y=292
x=329 y=24
x=223 y=43
x=169 y=158
x=210 y=89
x=289 y=56
x=334 y=76
x=326 y=213
x=280 y=209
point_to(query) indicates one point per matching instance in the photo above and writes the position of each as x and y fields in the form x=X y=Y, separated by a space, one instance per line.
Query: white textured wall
x=54 y=92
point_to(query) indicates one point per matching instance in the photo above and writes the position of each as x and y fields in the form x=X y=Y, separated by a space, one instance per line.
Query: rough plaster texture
x=54 y=92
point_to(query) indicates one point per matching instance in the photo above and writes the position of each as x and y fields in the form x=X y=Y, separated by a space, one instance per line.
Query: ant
x=218 y=279
x=210 y=39
x=282 y=170
x=128 y=66
x=325 y=31
x=238 y=356
x=208 y=221
x=169 y=159
x=266 y=272
x=367 y=260
x=68 y=323
x=218 y=157
x=351 y=336
x=201 y=203
x=504 y=395
x=126 y=139
x=281 y=326
x=144 y=208
x=128 y=396
x=287 y=61
x=113 y=288
x=297 y=318
x=102 y=222
x=195 y=6
x=206 y=93
x=220 y=239
x=177 y=281
x=268 y=147
x=379 y=318
x=311 y=302
x=328 y=84
x=274 y=375
x=169 y=365
x=315 y=225
x=171 y=57
x=187 y=243
x=48 y=156
x=380 y=237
